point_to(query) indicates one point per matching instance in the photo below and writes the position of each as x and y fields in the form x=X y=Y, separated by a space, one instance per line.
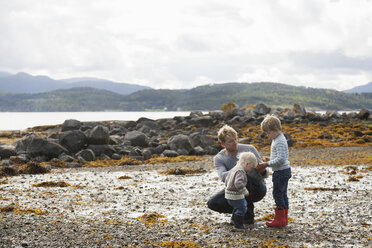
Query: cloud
x=182 y=44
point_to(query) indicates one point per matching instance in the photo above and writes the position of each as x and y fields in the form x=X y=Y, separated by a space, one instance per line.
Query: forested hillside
x=208 y=97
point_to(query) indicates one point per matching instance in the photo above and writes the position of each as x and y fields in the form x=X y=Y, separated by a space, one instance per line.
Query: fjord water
x=24 y=120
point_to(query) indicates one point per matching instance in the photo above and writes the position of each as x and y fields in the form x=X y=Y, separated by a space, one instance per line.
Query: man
x=224 y=161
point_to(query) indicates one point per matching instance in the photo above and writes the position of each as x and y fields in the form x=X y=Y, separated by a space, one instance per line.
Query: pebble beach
x=144 y=206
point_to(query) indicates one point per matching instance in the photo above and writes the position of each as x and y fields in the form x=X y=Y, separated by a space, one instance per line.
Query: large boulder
x=36 y=146
x=203 y=121
x=136 y=138
x=7 y=151
x=87 y=155
x=299 y=109
x=180 y=142
x=71 y=124
x=261 y=109
x=153 y=125
x=203 y=141
x=99 y=135
x=73 y=141
x=332 y=114
x=363 y=114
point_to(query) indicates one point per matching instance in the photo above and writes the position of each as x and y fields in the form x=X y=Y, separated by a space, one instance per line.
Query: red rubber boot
x=279 y=220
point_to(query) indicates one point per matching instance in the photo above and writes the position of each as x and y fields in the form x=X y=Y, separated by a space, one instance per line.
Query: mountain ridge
x=366 y=88
x=25 y=83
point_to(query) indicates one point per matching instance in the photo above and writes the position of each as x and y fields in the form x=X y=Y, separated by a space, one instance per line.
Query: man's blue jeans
x=280 y=187
x=257 y=191
x=239 y=206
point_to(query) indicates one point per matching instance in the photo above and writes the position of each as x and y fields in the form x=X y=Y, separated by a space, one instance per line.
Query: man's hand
x=261 y=167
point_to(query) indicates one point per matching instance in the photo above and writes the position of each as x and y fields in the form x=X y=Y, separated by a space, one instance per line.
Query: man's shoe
x=248 y=221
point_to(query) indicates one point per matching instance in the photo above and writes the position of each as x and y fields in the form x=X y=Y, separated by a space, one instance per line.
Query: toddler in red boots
x=281 y=169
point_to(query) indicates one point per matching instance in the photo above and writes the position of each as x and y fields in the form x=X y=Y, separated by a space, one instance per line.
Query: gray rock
x=180 y=141
x=99 y=135
x=217 y=114
x=332 y=114
x=116 y=156
x=136 y=138
x=170 y=153
x=203 y=141
x=115 y=140
x=6 y=162
x=182 y=151
x=151 y=124
x=203 y=121
x=159 y=149
x=73 y=141
x=22 y=144
x=199 y=151
x=87 y=155
x=65 y=158
x=261 y=109
x=71 y=124
x=146 y=153
x=363 y=114
x=299 y=109
x=289 y=115
x=196 y=113
x=36 y=146
x=126 y=124
x=7 y=151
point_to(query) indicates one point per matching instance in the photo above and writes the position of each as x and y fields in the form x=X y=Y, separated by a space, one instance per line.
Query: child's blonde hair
x=271 y=123
x=247 y=160
x=226 y=131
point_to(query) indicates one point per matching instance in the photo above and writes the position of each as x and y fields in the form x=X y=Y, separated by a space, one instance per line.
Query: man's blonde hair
x=247 y=160
x=226 y=131
x=271 y=123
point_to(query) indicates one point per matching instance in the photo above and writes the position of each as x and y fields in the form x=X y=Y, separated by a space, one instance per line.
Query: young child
x=281 y=169
x=235 y=190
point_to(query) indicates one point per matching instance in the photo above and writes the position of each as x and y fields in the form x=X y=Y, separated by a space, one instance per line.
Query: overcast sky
x=186 y=43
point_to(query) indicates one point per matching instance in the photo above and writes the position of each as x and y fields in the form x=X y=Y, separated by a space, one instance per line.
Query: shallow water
x=24 y=120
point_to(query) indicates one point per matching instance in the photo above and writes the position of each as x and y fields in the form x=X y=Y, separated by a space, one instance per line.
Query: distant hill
x=70 y=100
x=274 y=94
x=208 y=97
x=120 y=88
x=367 y=88
x=26 y=83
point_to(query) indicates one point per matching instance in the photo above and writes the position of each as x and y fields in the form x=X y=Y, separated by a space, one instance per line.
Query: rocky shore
x=151 y=206
x=73 y=143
